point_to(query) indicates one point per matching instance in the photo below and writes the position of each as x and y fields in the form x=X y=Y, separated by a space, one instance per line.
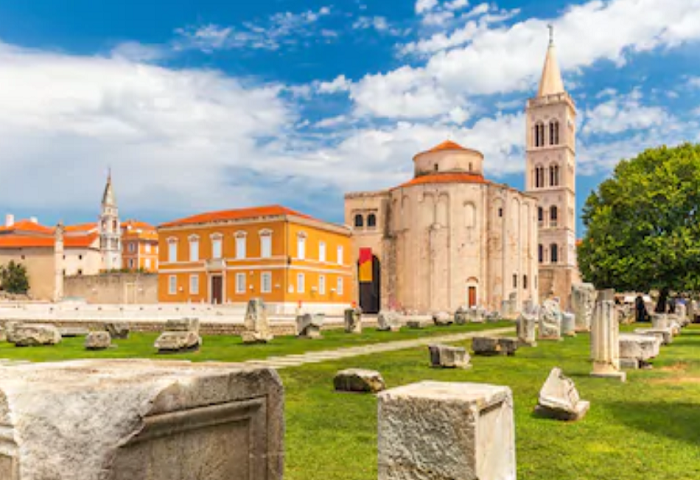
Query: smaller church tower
x=110 y=229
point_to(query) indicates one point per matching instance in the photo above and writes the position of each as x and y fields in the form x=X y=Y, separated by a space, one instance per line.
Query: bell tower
x=110 y=229
x=551 y=177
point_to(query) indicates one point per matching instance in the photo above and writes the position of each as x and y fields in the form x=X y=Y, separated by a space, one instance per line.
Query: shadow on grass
x=677 y=421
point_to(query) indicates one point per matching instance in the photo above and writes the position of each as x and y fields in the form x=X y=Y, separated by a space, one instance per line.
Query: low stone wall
x=113 y=288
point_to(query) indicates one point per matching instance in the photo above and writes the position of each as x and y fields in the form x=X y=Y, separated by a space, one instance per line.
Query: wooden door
x=472 y=297
x=217 y=290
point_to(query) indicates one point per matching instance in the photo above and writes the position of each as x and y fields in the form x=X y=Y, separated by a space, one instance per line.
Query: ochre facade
x=139 y=246
x=274 y=253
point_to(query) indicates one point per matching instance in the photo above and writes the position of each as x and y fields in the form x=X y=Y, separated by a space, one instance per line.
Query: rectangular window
x=301 y=283
x=194 y=284
x=148 y=248
x=322 y=251
x=301 y=248
x=172 y=252
x=132 y=247
x=172 y=284
x=515 y=281
x=194 y=250
x=240 y=283
x=322 y=284
x=339 y=289
x=266 y=246
x=340 y=255
x=240 y=247
x=266 y=282
x=131 y=263
x=216 y=248
x=148 y=263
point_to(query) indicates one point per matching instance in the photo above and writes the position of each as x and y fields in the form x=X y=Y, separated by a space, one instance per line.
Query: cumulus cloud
x=623 y=113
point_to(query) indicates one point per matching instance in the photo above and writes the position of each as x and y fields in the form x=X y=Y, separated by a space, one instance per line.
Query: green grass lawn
x=647 y=428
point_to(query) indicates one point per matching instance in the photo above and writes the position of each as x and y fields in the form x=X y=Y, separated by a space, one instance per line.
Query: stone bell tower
x=551 y=177
x=110 y=229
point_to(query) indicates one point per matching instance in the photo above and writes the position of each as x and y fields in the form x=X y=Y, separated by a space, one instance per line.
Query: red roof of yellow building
x=26 y=226
x=237 y=214
x=446 y=178
x=137 y=224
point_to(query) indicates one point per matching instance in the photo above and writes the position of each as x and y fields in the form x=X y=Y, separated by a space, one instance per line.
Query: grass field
x=647 y=428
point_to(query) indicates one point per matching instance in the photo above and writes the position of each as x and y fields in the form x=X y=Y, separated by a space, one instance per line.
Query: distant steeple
x=551 y=82
x=108 y=196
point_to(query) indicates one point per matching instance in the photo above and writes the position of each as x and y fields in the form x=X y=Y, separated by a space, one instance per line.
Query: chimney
x=34 y=220
x=9 y=220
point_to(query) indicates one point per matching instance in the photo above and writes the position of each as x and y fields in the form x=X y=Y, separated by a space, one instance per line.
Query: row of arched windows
x=553 y=253
x=553 y=216
x=360 y=221
x=539 y=133
x=540 y=175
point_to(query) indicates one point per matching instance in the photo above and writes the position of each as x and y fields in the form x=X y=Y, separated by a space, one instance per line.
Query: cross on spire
x=551 y=33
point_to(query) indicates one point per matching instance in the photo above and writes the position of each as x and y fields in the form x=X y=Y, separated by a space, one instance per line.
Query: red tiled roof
x=447 y=145
x=83 y=241
x=83 y=227
x=26 y=241
x=446 y=178
x=238 y=214
x=137 y=224
x=26 y=226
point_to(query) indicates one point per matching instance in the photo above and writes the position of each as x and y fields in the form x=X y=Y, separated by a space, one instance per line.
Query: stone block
x=446 y=431
x=568 y=324
x=527 y=329
x=550 y=321
x=358 y=380
x=353 y=320
x=98 y=340
x=663 y=334
x=494 y=346
x=174 y=342
x=415 y=324
x=255 y=323
x=559 y=398
x=388 y=321
x=442 y=319
x=182 y=325
x=641 y=348
x=447 y=356
x=461 y=316
x=33 y=335
x=140 y=420
x=118 y=330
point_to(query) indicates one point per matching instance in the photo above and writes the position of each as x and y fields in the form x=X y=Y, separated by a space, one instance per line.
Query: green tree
x=14 y=278
x=643 y=224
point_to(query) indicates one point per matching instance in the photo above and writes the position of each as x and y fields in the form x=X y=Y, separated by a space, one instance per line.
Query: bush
x=14 y=278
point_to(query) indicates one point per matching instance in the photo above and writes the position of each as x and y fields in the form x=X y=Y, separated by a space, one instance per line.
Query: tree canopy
x=643 y=224
x=14 y=278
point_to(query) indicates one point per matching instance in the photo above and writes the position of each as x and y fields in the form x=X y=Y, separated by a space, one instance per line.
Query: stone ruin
x=309 y=326
x=180 y=335
x=353 y=320
x=605 y=344
x=447 y=356
x=637 y=351
x=141 y=420
x=665 y=335
x=32 y=334
x=388 y=321
x=118 y=330
x=568 y=324
x=442 y=319
x=527 y=329
x=98 y=340
x=550 y=320
x=559 y=398
x=256 y=325
x=582 y=304
x=488 y=346
x=438 y=430
x=358 y=380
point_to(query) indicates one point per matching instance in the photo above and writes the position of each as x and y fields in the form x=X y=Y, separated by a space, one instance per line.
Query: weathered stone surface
x=67 y=332
x=33 y=335
x=447 y=356
x=353 y=320
x=10 y=331
x=141 y=420
x=173 y=342
x=642 y=348
x=494 y=345
x=663 y=334
x=388 y=320
x=309 y=326
x=559 y=398
x=415 y=324
x=527 y=329
x=462 y=315
x=256 y=325
x=550 y=321
x=182 y=325
x=605 y=331
x=568 y=324
x=118 y=330
x=98 y=340
x=446 y=431
x=358 y=380
x=442 y=319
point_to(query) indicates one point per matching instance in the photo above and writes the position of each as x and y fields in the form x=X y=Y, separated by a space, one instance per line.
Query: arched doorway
x=369 y=287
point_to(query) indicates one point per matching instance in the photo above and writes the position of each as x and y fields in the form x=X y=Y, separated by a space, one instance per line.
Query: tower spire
x=551 y=82
x=108 y=196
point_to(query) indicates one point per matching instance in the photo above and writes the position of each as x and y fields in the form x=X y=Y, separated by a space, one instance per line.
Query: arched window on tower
x=553 y=175
x=540 y=253
x=359 y=221
x=554 y=132
x=539 y=177
x=553 y=216
x=371 y=220
x=539 y=134
x=554 y=253
x=540 y=216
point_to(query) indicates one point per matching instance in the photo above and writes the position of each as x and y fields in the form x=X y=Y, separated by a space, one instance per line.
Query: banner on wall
x=365 y=273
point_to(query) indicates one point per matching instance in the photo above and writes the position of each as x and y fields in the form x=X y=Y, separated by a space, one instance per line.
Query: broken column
x=605 y=344
x=527 y=329
x=582 y=303
x=559 y=398
x=309 y=326
x=447 y=356
x=437 y=430
x=550 y=321
x=353 y=320
x=140 y=419
x=256 y=324
x=568 y=324
x=388 y=321
x=358 y=380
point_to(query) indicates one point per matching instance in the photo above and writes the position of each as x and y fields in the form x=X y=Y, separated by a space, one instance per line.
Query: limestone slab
x=33 y=335
x=173 y=342
x=494 y=346
x=182 y=325
x=559 y=398
x=358 y=380
x=447 y=356
x=664 y=334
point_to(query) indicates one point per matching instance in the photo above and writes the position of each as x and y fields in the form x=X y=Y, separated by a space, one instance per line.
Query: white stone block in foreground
x=140 y=420
x=450 y=431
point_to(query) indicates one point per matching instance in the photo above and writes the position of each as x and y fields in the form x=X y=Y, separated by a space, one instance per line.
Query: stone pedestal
x=636 y=351
x=353 y=320
x=527 y=329
x=140 y=420
x=455 y=431
x=559 y=398
x=582 y=304
x=568 y=324
x=257 y=327
x=605 y=345
x=446 y=356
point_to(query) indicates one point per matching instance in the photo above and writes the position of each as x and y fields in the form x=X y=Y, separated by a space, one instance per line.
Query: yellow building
x=139 y=246
x=272 y=252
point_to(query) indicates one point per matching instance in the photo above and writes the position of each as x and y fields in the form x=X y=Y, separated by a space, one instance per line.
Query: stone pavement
x=347 y=352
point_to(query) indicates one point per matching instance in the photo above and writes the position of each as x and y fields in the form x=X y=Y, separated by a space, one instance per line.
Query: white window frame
x=301 y=283
x=321 y=284
x=240 y=283
x=339 y=286
x=194 y=248
x=301 y=246
x=147 y=263
x=265 y=243
x=340 y=253
x=172 y=250
x=194 y=284
x=241 y=240
x=217 y=246
x=321 y=251
x=148 y=248
x=266 y=288
x=172 y=284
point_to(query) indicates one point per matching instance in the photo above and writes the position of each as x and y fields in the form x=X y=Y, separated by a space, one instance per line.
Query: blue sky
x=210 y=105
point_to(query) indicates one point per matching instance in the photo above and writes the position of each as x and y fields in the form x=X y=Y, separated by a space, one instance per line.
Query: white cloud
x=138 y=52
x=380 y=24
x=624 y=113
x=339 y=84
x=457 y=4
x=423 y=6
